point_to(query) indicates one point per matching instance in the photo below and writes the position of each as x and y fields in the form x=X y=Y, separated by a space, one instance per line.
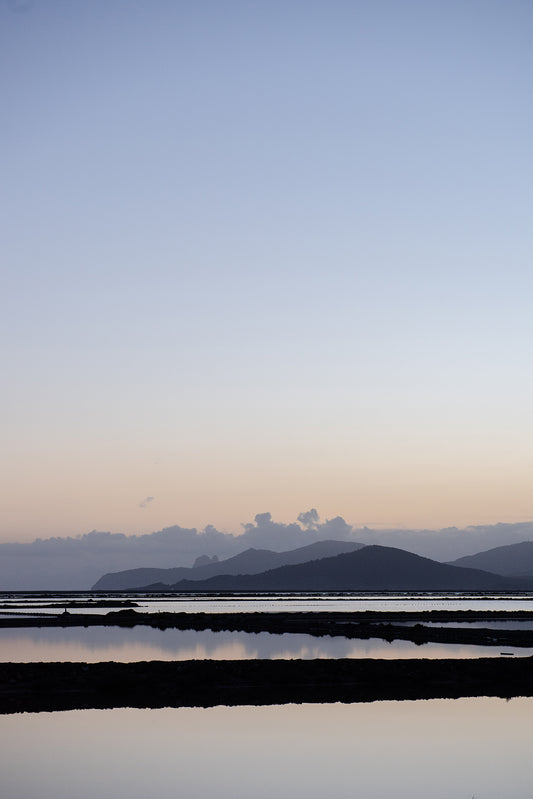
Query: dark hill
x=372 y=568
x=251 y=561
x=513 y=559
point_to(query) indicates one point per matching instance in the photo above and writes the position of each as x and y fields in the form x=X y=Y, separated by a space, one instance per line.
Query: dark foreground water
x=406 y=750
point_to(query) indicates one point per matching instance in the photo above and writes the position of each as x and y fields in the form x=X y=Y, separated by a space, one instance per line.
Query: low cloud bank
x=77 y=563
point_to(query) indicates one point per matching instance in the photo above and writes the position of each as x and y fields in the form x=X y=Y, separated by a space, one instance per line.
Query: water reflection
x=501 y=624
x=186 y=603
x=406 y=750
x=95 y=644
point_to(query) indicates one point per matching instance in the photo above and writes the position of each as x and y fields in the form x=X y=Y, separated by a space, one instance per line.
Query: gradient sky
x=265 y=256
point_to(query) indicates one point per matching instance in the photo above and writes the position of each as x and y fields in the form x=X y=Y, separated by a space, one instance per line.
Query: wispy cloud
x=146 y=501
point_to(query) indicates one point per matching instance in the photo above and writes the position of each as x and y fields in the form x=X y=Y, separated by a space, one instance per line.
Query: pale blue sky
x=265 y=256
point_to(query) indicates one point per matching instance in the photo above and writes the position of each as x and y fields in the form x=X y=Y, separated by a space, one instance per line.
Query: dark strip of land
x=363 y=625
x=201 y=620
x=35 y=687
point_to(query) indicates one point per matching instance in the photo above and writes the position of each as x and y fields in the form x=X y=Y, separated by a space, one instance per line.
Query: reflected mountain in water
x=127 y=645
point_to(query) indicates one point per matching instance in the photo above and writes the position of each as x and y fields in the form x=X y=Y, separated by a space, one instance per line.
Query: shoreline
x=40 y=687
x=388 y=626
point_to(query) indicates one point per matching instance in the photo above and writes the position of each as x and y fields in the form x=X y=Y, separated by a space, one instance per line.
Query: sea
x=475 y=747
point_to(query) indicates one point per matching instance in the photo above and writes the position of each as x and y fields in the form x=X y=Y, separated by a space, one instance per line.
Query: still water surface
x=273 y=603
x=406 y=750
x=95 y=644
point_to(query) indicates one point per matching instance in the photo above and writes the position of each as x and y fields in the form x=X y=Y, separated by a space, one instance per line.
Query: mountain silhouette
x=251 y=561
x=512 y=560
x=372 y=568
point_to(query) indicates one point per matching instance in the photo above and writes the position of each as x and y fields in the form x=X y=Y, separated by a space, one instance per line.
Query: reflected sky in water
x=406 y=750
x=500 y=624
x=277 y=603
x=95 y=644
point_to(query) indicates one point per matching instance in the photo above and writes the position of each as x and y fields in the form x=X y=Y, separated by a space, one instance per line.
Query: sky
x=263 y=257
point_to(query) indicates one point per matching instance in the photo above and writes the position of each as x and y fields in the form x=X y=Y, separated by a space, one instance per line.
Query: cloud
x=310 y=518
x=146 y=501
x=268 y=534
x=263 y=518
x=77 y=563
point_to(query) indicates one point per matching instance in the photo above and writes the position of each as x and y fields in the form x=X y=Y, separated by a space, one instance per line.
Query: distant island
x=251 y=561
x=323 y=566
x=119 y=561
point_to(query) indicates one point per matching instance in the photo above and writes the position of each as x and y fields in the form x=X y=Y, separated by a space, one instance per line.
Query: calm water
x=500 y=624
x=406 y=750
x=93 y=644
x=143 y=643
x=282 y=602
